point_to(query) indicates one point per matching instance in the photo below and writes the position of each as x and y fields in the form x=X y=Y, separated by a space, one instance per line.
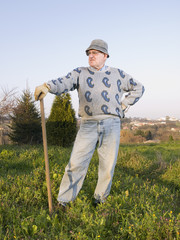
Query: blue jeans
x=107 y=134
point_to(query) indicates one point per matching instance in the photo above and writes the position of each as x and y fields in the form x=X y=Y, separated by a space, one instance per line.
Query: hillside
x=138 y=130
x=144 y=202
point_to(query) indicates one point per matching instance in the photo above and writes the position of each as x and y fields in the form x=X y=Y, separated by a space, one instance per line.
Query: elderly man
x=100 y=90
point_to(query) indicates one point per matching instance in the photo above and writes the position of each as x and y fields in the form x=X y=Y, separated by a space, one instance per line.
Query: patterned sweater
x=99 y=92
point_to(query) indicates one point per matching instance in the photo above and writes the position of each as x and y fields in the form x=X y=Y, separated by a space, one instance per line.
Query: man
x=100 y=90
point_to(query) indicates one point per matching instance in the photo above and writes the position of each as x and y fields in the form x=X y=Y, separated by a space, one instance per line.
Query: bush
x=61 y=124
x=61 y=133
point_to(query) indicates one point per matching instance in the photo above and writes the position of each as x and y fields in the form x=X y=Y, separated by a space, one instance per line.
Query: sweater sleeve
x=133 y=88
x=65 y=84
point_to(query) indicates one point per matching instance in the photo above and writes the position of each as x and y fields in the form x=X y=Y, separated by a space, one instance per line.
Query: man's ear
x=105 y=55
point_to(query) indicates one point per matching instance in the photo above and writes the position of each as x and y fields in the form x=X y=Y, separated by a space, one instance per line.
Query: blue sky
x=42 y=39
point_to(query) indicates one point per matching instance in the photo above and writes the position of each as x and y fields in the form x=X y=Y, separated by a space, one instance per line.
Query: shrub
x=61 y=124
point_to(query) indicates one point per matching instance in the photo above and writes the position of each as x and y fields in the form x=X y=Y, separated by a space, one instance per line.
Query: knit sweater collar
x=104 y=68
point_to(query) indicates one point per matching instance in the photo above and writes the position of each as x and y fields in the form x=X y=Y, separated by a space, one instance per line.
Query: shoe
x=96 y=202
x=64 y=204
x=61 y=206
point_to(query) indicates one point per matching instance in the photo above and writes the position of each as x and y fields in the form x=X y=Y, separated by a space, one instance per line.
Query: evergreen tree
x=26 y=121
x=61 y=124
x=148 y=135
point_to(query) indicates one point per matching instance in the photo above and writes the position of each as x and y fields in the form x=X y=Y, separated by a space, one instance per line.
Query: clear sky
x=44 y=39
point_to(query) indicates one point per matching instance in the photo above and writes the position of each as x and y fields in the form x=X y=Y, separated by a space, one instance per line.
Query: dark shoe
x=61 y=207
x=96 y=202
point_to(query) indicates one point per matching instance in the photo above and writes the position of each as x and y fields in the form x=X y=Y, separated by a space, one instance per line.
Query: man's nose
x=91 y=55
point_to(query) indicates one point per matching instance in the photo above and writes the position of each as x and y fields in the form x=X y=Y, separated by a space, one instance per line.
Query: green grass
x=144 y=202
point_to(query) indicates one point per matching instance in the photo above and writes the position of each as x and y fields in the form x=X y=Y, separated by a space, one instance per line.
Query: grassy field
x=144 y=201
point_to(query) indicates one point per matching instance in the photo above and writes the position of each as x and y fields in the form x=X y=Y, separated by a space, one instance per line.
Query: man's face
x=96 y=59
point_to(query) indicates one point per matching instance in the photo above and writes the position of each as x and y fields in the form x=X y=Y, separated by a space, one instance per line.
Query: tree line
x=25 y=120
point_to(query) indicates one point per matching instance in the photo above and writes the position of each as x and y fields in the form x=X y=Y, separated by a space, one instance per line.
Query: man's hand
x=123 y=107
x=41 y=91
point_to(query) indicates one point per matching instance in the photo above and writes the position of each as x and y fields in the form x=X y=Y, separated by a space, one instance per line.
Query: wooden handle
x=46 y=156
